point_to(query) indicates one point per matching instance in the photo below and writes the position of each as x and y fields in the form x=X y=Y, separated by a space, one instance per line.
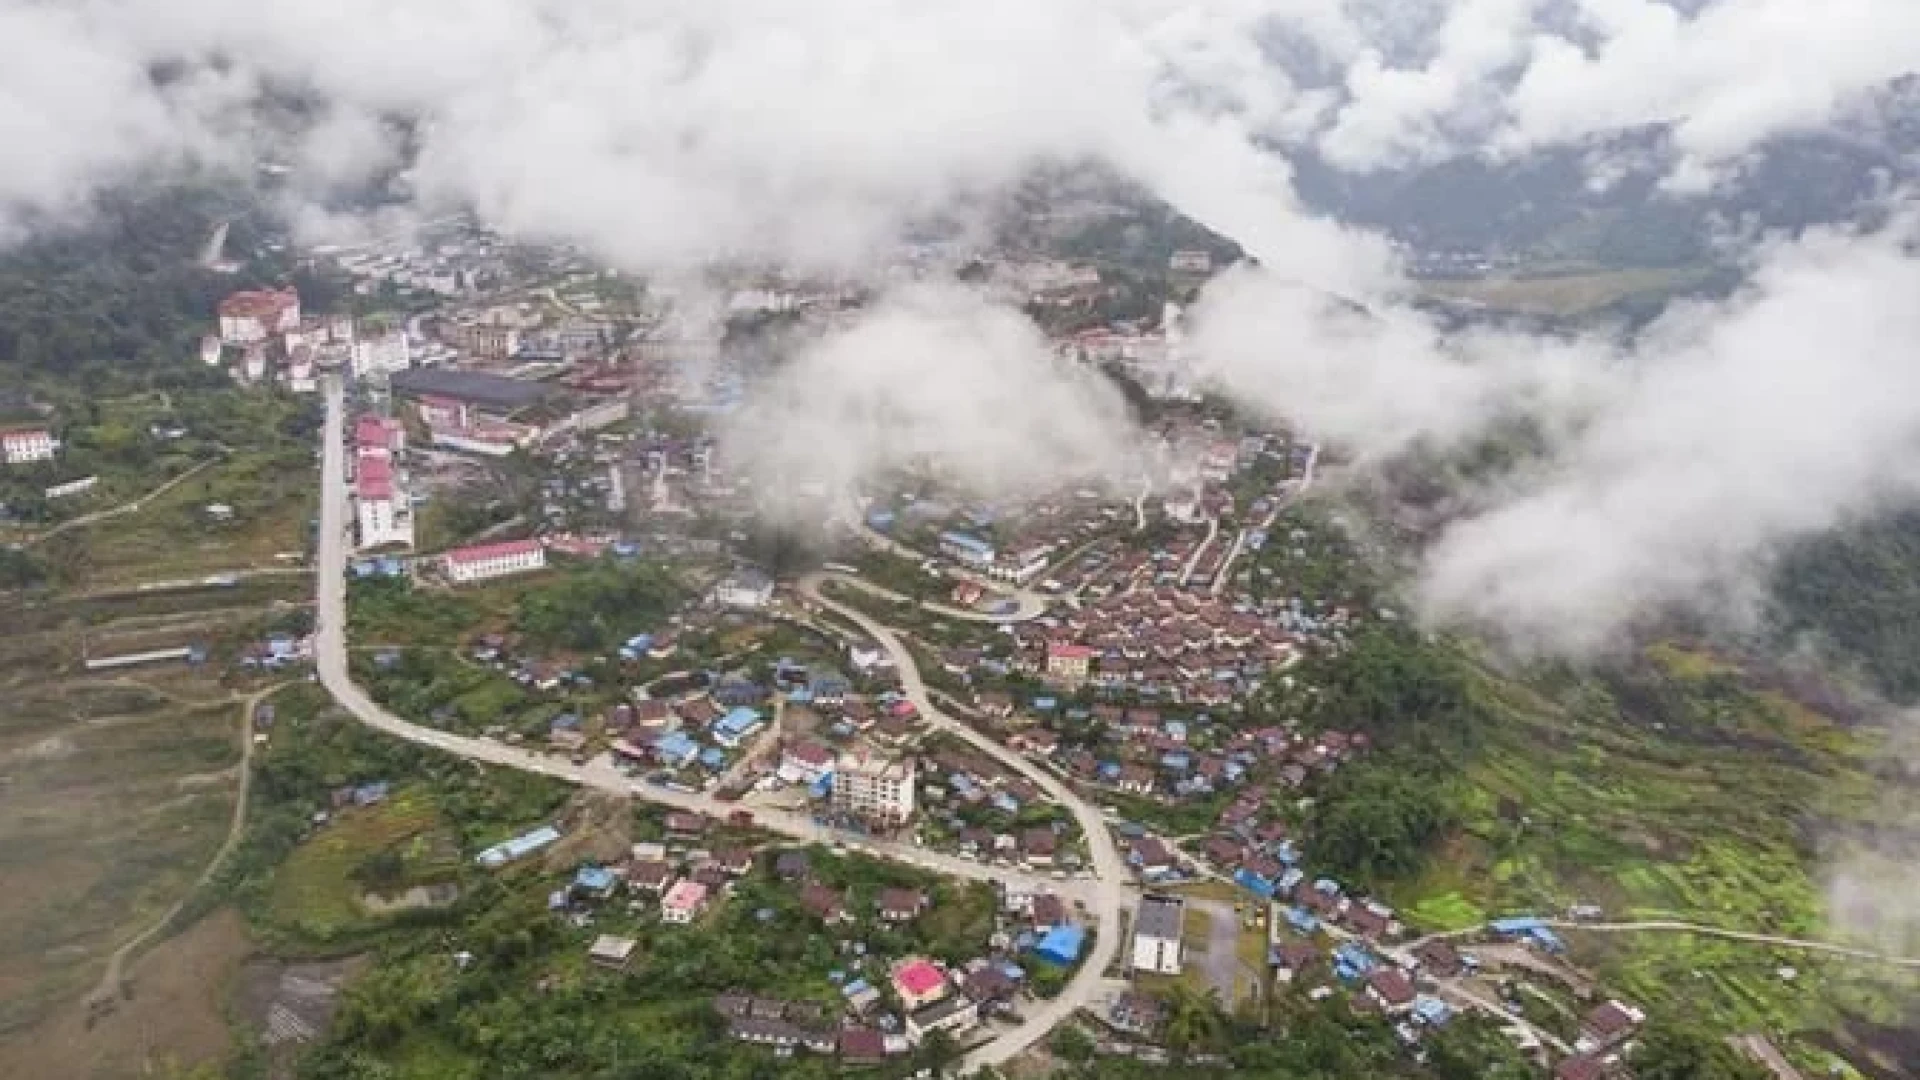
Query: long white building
x=487 y=561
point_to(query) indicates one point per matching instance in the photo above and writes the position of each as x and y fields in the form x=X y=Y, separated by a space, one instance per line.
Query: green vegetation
x=383 y=849
x=597 y=608
x=1671 y=1050
x=1859 y=589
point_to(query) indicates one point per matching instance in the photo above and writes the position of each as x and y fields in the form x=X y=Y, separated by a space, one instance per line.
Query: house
x=684 y=902
x=824 y=904
x=595 y=883
x=1580 y=1067
x=1148 y=856
x=1047 y=911
x=734 y=862
x=901 y=905
x=862 y=1046
x=919 y=982
x=1438 y=959
x=1156 y=935
x=21 y=446
x=967 y=549
x=613 y=952
x=1069 y=663
x=792 y=865
x=805 y=762
x=1390 y=989
x=739 y=723
x=949 y=1014
x=988 y=985
x=684 y=824
x=1062 y=945
x=1608 y=1025
x=651 y=875
x=1136 y=780
x=1293 y=959
x=1038 y=844
x=746 y=589
x=486 y=561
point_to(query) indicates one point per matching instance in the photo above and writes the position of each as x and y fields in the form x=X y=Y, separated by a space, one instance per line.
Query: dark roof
x=1392 y=985
x=1159 y=917
x=862 y=1044
x=1580 y=1067
x=472 y=387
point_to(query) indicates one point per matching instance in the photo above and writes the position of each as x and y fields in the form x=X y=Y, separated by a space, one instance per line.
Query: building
x=372 y=432
x=613 y=952
x=1156 y=935
x=919 y=983
x=870 y=786
x=487 y=561
x=383 y=354
x=1190 y=262
x=749 y=589
x=683 y=903
x=952 y=1014
x=735 y=727
x=20 y=446
x=253 y=316
x=967 y=548
x=1021 y=566
x=1068 y=662
x=381 y=508
x=805 y=763
x=1608 y=1025
x=1391 y=990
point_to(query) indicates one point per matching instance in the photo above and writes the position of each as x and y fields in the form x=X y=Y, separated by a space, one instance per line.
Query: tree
x=1071 y=1043
x=1195 y=1019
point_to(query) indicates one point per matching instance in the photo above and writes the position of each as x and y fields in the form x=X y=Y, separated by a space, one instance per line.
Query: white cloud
x=932 y=374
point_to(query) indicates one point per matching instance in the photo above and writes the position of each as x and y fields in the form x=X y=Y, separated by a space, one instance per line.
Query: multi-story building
x=967 y=548
x=19 y=446
x=382 y=509
x=381 y=354
x=1068 y=662
x=1156 y=935
x=494 y=560
x=874 y=787
x=253 y=316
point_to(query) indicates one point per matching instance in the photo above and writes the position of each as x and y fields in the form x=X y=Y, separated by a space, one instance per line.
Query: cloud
x=1679 y=463
x=931 y=374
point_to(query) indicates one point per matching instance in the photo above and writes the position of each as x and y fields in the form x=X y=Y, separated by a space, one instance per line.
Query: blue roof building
x=739 y=723
x=713 y=758
x=1061 y=945
x=676 y=748
x=1431 y=1011
x=1302 y=920
x=595 y=879
x=966 y=547
x=1253 y=883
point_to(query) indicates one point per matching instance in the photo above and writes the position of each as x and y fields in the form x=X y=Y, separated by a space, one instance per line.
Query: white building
x=494 y=560
x=871 y=786
x=384 y=514
x=1156 y=935
x=247 y=318
x=1020 y=567
x=385 y=353
x=20 y=446
x=749 y=589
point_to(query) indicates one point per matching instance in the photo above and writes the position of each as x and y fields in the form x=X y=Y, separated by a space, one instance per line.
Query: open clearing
x=177 y=1019
x=1565 y=294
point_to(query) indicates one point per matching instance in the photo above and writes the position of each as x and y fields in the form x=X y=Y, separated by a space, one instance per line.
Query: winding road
x=1103 y=897
x=1106 y=898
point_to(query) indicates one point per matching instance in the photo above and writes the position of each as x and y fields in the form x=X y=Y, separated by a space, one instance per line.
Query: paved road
x=1105 y=897
x=330 y=649
x=1031 y=605
x=1672 y=926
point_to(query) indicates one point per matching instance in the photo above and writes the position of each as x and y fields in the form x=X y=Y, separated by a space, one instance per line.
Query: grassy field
x=1682 y=793
x=318 y=892
x=115 y=797
x=1571 y=293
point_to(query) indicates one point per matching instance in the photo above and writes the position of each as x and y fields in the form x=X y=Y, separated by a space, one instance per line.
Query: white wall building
x=20 y=446
x=874 y=787
x=1156 y=935
x=381 y=507
x=385 y=353
x=247 y=318
x=494 y=560
x=748 y=589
